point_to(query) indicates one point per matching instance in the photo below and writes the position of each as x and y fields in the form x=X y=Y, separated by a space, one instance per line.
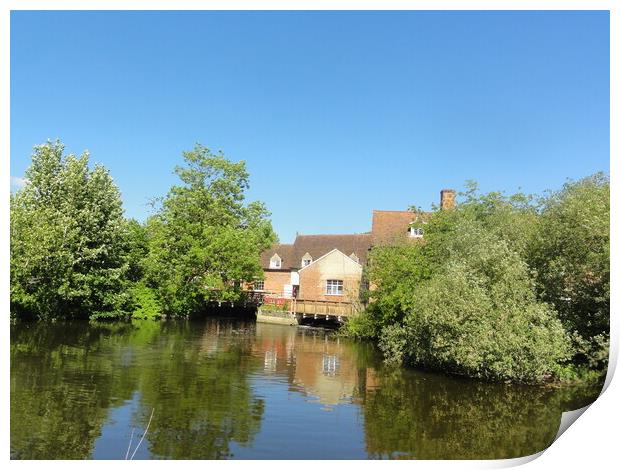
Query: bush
x=146 y=305
x=285 y=307
x=362 y=326
x=394 y=273
x=479 y=316
x=571 y=257
x=466 y=324
x=501 y=287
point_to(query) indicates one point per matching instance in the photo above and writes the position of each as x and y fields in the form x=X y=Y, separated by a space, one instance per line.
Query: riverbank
x=277 y=317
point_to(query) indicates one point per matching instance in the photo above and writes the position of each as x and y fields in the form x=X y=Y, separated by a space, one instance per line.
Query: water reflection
x=230 y=389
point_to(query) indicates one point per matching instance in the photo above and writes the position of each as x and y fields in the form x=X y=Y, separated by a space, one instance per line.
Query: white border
x=589 y=444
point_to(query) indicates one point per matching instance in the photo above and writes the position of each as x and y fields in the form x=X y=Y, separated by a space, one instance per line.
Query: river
x=232 y=389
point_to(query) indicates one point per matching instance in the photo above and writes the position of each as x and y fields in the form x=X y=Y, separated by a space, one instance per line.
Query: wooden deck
x=322 y=307
x=304 y=308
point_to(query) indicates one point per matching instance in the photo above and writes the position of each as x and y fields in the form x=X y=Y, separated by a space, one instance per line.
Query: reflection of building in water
x=276 y=346
x=271 y=359
x=324 y=368
x=330 y=364
x=314 y=363
x=210 y=342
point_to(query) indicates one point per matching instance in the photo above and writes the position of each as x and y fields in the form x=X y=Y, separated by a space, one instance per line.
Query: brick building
x=330 y=267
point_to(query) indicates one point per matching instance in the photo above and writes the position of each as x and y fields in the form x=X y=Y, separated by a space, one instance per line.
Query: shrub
x=571 y=257
x=479 y=317
x=146 y=304
x=362 y=326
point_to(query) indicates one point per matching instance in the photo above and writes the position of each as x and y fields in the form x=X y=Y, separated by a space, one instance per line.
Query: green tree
x=205 y=240
x=137 y=247
x=479 y=316
x=395 y=272
x=67 y=239
x=465 y=299
x=570 y=255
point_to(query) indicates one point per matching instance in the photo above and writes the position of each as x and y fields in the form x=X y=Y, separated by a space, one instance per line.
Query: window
x=331 y=364
x=354 y=257
x=416 y=232
x=306 y=260
x=275 y=262
x=334 y=287
x=259 y=285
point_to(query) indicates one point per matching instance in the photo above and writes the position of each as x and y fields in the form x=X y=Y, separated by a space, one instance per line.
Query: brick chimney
x=447 y=200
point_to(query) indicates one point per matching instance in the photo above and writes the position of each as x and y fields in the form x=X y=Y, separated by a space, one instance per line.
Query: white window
x=334 y=287
x=306 y=260
x=275 y=262
x=259 y=285
x=416 y=232
x=354 y=257
x=331 y=364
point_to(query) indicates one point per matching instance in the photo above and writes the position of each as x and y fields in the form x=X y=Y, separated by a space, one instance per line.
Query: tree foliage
x=205 y=241
x=570 y=255
x=67 y=239
x=73 y=255
x=479 y=317
x=502 y=287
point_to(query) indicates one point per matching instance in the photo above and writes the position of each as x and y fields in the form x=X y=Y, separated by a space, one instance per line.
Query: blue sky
x=335 y=113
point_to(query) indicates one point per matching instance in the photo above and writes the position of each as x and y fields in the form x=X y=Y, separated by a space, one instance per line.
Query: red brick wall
x=275 y=280
x=313 y=279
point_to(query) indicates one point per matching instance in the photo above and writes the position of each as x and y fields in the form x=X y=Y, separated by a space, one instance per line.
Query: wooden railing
x=305 y=306
x=322 y=307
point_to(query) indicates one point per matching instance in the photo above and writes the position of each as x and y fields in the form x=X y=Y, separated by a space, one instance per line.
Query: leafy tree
x=511 y=218
x=481 y=295
x=137 y=247
x=394 y=272
x=571 y=257
x=205 y=240
x=480 y=317
x=146 y=305
x=67 y=239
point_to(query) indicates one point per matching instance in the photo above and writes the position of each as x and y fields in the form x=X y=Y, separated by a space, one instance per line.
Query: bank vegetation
x=511 y=288
x=74 y=255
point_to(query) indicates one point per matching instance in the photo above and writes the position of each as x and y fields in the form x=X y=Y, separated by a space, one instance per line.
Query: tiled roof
x=284 y=252
x=317 y=246
x=387 y=227
x=391 y=226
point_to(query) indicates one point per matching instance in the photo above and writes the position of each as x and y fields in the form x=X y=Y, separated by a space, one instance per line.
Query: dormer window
x=275 y=262
x=354 y=257
x=416 y=232
x=306 y=260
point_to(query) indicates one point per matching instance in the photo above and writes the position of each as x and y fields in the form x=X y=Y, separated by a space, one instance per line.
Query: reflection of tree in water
x=61 y=389
x=66 y=378
x=417 y=415
x=202 y=402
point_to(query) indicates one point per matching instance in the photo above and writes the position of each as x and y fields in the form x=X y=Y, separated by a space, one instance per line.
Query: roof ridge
x=333 y=234
x=381 y=210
